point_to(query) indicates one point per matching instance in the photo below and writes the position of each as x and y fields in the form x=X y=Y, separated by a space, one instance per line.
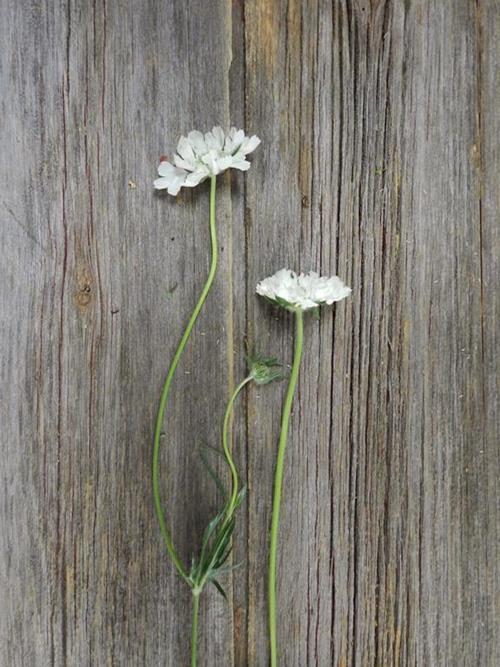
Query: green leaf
x=223 y=558
x=215 y=450
x=241 y=496
x=229 y=568
x=215 y=477
x=219 y=588
x=204 y=556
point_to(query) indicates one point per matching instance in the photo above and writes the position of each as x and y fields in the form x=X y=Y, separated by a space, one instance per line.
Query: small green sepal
x=263 y=370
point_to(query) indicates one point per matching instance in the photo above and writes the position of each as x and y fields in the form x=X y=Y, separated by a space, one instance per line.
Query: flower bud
x=263 y=370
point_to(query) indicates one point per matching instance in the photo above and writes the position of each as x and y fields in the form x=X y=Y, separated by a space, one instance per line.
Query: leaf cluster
x=216 y=545
x=215 y=550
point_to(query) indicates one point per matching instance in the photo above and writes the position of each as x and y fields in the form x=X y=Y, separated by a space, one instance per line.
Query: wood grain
x=380 y=161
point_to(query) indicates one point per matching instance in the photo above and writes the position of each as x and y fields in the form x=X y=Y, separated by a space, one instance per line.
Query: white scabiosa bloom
x=200 y=156
x=304 y=291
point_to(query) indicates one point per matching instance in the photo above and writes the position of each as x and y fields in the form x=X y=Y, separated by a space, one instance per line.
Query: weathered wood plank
x=482 y=552
x=380 y=161
x=372 y=133
x=98 y=92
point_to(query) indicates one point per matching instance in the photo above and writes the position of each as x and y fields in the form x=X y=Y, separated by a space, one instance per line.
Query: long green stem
x=278 y=483
x=166 y=389
x=227 y=450
x=194 y=628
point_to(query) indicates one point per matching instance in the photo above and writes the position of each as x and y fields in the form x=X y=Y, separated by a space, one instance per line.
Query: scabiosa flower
x=297 y=293
x=200 y=156
x=304 y=291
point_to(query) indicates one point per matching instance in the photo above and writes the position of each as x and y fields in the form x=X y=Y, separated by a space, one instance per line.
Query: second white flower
x=304 y=291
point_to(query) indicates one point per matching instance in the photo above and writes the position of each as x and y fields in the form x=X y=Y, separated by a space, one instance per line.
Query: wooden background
x=380 y=161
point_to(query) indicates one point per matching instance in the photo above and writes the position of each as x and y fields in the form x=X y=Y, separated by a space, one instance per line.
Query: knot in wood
x=84 y=281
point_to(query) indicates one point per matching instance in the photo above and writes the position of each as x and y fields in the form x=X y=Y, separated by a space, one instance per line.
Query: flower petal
x=197 y=141
x=196 y=177
x=210 y=159
x=161 y=183
x=184 y=164
x=165 y=168
x=242 y=165
x=185 y=150
x=224 y=163
x=172 y=179
x=219 y=135
x=234 y=140
x=213 y=141
x=249 y=144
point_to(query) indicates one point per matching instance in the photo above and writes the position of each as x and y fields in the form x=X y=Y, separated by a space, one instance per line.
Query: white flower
x=302 y=291
x=200 y=156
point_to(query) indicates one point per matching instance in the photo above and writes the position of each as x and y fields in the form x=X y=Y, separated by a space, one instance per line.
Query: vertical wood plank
x=103 y=274
x=380 y=162
x=483 y=525
x=274 y=93
x=382 y=186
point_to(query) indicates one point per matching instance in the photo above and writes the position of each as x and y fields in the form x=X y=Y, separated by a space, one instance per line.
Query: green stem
x=194 y=628
x=166 y=389
x=278 y=483
x=227 y=449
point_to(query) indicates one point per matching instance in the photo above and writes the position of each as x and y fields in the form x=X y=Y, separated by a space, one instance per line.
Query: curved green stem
x=199 y=583
x=227 y=450
x=167 y=538
x=278 y=483
x=194 y=629
x=229 y=511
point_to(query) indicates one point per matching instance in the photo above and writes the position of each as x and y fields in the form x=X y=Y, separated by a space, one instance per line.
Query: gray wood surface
x=380 y=161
